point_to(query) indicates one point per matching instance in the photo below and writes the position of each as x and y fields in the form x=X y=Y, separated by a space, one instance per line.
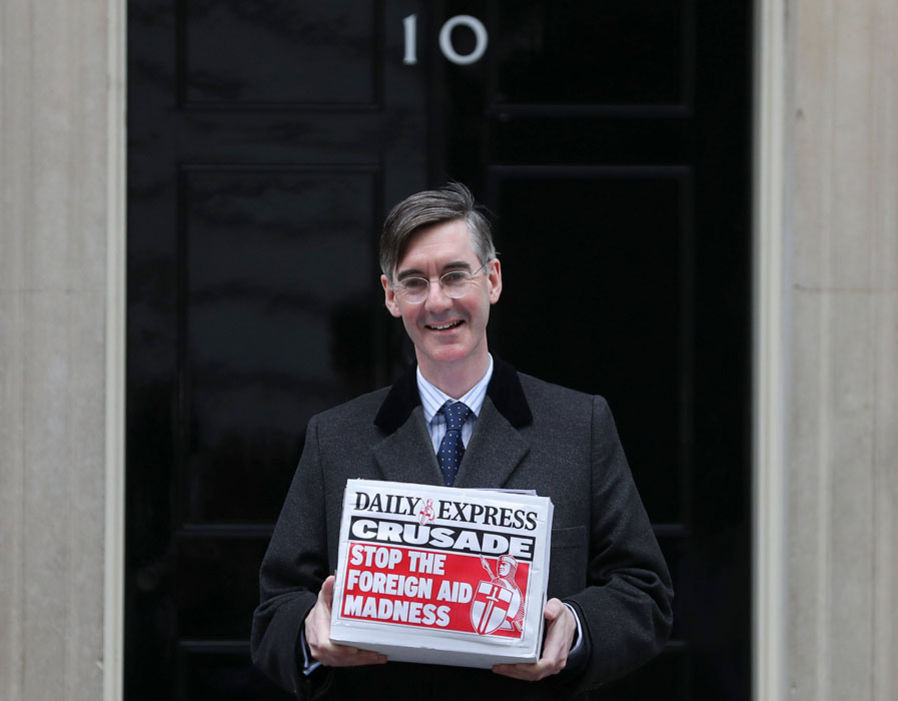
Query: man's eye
x=456 y=277
x=414 y=284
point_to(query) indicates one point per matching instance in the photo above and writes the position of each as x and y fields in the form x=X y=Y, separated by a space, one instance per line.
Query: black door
x=267 y=139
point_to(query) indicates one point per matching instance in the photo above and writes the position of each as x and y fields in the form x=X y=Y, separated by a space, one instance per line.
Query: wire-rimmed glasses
x=454 y=284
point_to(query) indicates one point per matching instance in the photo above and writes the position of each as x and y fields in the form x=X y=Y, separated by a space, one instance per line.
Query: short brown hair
x=428 y=208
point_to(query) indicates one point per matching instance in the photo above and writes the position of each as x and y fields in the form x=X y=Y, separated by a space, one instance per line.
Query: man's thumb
x=327 y=591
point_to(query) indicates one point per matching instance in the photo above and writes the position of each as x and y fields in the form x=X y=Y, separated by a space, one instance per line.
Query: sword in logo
x=485 y=618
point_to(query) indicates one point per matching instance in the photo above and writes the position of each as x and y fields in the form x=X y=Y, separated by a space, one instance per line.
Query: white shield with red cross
x=489 y=609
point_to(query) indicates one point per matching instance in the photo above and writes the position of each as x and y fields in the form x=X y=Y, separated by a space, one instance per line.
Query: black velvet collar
x=504 y=390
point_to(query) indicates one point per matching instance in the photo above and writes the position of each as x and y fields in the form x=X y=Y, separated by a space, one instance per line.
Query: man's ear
x=494 y=277
x=390 y=297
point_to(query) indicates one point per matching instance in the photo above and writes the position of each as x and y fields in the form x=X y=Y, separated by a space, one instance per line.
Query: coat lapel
x=406 y=455
x=494 y=451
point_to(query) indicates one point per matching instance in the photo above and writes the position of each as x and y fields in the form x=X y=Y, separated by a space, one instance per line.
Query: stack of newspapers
x=442 y=575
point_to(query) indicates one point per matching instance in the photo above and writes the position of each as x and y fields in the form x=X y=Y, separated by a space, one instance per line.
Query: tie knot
x=456 y=414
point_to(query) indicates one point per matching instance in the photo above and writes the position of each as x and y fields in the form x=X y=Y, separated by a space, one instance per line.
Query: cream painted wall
x=843 y=362
x=826 y=349
x=61 y=342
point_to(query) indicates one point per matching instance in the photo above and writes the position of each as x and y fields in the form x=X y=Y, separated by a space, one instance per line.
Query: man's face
x=504 y=567
x=449 y=334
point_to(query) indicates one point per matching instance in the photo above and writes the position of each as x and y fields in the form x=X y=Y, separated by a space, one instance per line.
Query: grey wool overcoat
x=605 y=560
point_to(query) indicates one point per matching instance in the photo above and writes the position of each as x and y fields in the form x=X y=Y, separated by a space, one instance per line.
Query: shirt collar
x=432 y=398
x=504 y=390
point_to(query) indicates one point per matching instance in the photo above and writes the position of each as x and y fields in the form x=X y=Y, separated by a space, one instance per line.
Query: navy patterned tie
x=452 y=449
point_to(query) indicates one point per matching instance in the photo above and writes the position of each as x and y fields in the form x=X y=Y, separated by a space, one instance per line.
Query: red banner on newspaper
x=432 y=589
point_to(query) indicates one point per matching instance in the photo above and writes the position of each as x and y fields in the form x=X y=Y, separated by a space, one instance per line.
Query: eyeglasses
x=454 y=284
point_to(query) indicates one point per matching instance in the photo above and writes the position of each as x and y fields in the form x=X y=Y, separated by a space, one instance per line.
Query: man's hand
x=318 y=629
x=560 y=630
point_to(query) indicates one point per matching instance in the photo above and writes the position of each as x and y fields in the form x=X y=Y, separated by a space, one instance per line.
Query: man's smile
x=444 y=326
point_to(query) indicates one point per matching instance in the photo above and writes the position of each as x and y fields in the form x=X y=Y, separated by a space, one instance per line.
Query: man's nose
x=437 y=297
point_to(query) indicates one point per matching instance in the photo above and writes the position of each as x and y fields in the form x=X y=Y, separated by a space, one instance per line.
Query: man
x=610 y=605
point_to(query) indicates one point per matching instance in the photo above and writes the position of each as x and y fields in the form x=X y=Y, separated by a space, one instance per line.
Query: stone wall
x=842 y=421
x=826 y=498
x=61 y=274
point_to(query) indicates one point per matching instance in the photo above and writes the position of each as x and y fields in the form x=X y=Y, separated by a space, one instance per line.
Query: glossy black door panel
x=273 y=53
x=616 y=52
x=600 y=278
x=278 y=323
x=222 y=672
x=217 y=579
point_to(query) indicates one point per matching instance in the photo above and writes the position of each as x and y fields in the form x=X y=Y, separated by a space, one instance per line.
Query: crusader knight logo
x=426 y=514
x=498 y=603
